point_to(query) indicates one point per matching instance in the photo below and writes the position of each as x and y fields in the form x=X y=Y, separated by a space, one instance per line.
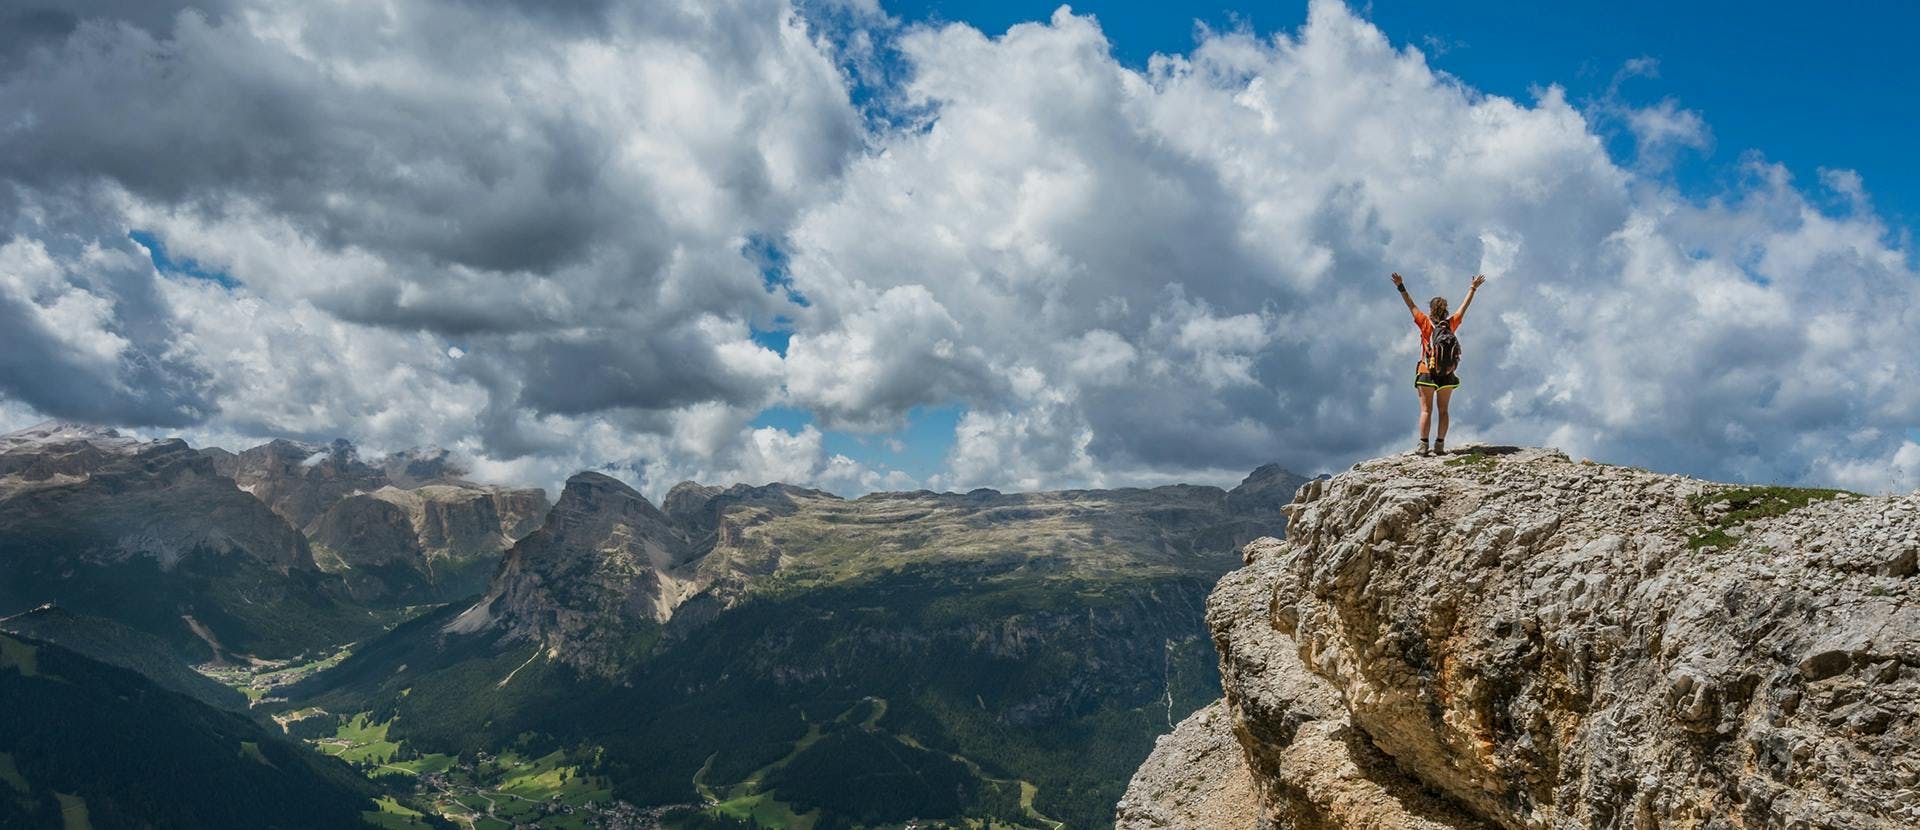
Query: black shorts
x=1429 y=380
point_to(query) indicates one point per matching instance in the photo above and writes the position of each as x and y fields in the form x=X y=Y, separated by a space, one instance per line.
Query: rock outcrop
x=595 y=581
x=360 y=531
x=96 y=495
x=299 y=481
x=1264 y=491
x=1510 y=639
x=1196 y=777
x=450 y=537
x=608 y=567
x=149 y=534
x=406 y=527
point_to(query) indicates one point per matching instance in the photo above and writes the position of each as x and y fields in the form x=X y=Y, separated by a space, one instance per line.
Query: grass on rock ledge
x=1744 y=504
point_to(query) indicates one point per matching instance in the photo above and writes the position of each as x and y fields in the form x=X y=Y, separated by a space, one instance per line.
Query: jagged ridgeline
x=408 y=529
x=1510 y=639
x=763 y=655
x=277 y=551
x=782 y=656
x=148 y=534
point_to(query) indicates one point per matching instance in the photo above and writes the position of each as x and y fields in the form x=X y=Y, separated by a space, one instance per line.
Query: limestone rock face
x=604 y=570
x=461 y=522
x=690 y=503
x=1196 y=777
x=98 y=495
x=150 y=535
x=433 y=534
x=413 y=468
x=1515 y=640
x=1264 y=491
x=361 y=530
x=300 y=481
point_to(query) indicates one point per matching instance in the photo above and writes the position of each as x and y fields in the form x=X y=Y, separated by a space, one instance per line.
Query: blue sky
x=157 y=250
x=1833 y=85
x=919 y=449
x=1832 y=89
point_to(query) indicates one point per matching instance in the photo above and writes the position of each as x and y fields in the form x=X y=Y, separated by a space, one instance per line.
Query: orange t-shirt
x=1425 y=324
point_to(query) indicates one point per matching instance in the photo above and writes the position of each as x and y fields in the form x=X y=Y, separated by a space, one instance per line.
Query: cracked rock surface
x=1506 y=638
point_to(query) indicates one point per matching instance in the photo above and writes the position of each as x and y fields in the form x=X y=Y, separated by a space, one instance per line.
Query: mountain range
x=756 y=648
x=733 y=654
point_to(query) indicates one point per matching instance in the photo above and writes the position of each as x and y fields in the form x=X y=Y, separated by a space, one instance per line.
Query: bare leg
x=1443 y=396
x=1426 y=411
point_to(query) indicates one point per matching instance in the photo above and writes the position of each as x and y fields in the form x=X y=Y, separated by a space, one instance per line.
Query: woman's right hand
x=1396 y=279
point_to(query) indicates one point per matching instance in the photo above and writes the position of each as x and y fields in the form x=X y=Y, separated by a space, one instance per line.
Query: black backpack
x=1443 y=351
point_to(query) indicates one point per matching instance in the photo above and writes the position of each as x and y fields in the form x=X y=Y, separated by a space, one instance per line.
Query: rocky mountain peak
x=58 y=453
x=688 y=500
x=149 y=534
x=51 y=433
x=604 y=568
x=431 y=534
x=1265 y=489
x=1505 y=638
x=591 y=489
x=109 y=496
x=593 y=505
x=298 y=480
x=417 y=467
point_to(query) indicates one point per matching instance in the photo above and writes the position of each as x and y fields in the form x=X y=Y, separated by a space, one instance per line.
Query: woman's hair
x=1437 y=308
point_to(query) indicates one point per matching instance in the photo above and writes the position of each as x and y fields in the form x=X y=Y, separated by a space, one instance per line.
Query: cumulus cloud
x=1189 y=263
x=85 y=332
x=545 y=236
x=482 y=224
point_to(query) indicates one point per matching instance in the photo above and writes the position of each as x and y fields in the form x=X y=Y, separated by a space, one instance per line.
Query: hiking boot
x=1440 y=446
x=1422 y=449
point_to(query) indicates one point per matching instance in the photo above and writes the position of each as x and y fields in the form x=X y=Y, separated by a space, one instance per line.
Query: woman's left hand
x=1478 y=279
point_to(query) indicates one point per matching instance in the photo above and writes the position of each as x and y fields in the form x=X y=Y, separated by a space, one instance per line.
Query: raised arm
x=1477 y=280
x=1400 y=284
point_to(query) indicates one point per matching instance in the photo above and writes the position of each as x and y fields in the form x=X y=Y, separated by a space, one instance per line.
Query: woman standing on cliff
x=1439 y=357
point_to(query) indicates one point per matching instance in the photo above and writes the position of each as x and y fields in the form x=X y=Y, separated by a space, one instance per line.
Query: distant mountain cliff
x=149 y=534
x=964 y=657
x=923 y=658
x=608 y=569
x=407 y=529
x=1514 y=640
x=291 y=555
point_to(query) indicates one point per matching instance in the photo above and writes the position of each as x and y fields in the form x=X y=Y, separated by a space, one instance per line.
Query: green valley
x=65 y=756
x=751 y=656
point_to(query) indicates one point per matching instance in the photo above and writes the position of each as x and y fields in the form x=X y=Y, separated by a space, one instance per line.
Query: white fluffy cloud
x=536 y=235
x=511 y=228
x=1191 y=261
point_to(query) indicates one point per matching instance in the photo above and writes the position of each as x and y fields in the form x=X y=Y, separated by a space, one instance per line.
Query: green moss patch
x=1470 y=458
x=1744 y=504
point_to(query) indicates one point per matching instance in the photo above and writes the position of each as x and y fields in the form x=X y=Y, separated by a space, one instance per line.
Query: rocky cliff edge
x=1505 y=638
